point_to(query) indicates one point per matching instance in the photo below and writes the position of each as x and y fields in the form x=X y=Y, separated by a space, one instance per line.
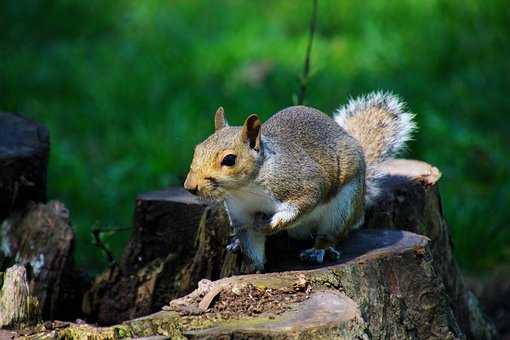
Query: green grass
x=127 y=88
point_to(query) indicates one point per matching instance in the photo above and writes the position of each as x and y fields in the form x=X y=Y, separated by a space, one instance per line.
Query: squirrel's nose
x=190 y=184
x=193 y=190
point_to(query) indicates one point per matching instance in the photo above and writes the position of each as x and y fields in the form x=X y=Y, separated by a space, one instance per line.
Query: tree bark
x=18 y=307
x=168 y=222
x=385 y=287
x=24 y=147
x=41 y=238
x=158 y=264
x=411 y=201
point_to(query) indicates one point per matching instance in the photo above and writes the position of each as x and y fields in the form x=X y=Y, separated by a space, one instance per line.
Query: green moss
x=263 y=282
x=122 y=331
x=163 y=323
x=327 y=278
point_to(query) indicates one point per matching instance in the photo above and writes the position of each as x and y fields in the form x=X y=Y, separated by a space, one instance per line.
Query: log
x=411 y=201
x=18 y=307
x=41 y=238
x=24 y=147
x=385 y=287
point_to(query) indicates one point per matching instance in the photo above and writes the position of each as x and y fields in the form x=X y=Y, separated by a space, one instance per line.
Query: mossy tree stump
x=385 y=287
x=156 y=266
x=179 y=240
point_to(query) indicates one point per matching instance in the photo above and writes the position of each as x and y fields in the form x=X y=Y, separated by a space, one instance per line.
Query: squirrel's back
x=378 y=121
x=306 y=128
x=308 y=146
x=376 y=125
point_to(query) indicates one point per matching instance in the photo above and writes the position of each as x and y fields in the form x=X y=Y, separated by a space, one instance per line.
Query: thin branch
x=96 y=233
x=306 y=69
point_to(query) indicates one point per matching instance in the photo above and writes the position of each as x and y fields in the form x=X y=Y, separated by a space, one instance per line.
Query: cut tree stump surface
x=24 y=148
x=385 y=288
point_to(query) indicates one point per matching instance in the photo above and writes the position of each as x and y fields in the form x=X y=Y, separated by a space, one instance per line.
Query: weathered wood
x=40 y=237
x=18 y=307
x=24 y=147
x=410 y=201
x=384 y=288
x=158 y=263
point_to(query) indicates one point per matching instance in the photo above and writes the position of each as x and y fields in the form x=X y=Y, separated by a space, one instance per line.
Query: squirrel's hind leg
x=323 y=250
x=335 y=219
x=312 y=255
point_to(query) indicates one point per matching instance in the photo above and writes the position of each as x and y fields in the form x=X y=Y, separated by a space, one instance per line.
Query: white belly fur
x=329 y=218
x=242 y=204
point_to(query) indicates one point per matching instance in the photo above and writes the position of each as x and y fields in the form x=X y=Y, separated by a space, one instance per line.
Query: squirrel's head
x=227 y=160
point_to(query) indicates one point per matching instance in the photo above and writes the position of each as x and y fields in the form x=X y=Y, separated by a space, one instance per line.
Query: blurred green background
x=128 y=87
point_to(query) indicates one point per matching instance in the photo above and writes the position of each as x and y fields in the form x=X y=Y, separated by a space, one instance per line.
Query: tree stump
x=40 y=237
x=156 y=265
x=18 y=307
x=24 y=147
x=168 y=223
x=411 y=201
x=384 y=288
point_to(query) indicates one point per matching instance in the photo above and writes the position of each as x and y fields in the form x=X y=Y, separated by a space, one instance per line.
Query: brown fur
x=366 y=130
x=318 y=157
x=206 y=172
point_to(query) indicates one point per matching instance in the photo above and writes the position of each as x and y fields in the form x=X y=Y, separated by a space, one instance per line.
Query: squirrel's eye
x=229 y=160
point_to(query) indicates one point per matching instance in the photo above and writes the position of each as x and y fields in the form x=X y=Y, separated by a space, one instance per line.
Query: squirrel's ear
x=219 y=119
x=251 y=132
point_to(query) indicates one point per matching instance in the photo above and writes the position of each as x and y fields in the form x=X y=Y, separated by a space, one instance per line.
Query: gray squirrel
x=301 y=171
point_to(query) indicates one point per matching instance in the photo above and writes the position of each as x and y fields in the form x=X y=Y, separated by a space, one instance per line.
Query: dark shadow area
x=283 y=252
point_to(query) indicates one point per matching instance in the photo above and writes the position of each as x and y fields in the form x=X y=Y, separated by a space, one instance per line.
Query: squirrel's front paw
x=278 y=221
x=234 y=246
x=284 y=217
x=266 y=225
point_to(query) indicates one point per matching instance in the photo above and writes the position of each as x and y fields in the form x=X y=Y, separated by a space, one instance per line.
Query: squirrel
x=301 y=171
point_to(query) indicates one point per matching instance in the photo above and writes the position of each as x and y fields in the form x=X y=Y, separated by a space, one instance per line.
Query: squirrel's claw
x=312 y=255
x=333 y=254
x=316 y=256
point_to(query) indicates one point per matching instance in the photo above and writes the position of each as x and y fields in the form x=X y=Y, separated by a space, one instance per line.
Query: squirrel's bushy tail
x=380 y=122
